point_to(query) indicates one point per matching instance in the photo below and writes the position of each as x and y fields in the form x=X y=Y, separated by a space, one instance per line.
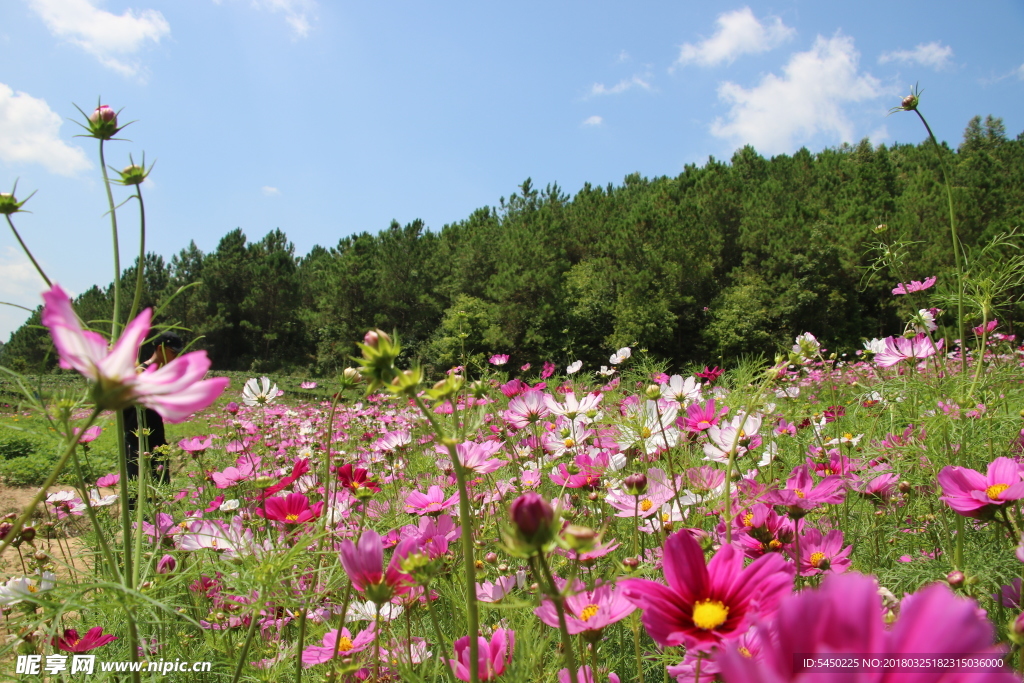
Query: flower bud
x=955 y=578
x=28 y=534
x=533 y=519
x=909 y=103
x=8 y=204
x=630 y=564
x=635 y=484
x=166 y=565
x=580 y=538
x=133 y=174
x=491 y=558
x=1016 y=630
x=231 y=408
x=904 y=486
x=102 y=123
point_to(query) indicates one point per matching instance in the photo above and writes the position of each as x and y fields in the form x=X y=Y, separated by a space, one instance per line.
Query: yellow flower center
x=816 y=559
x=703 y=424
x=345 y=644
x=646 y=504
x=799 y=493
x=848 y=436
x=664 y=517
x=291 y=518
x=588 y=612
x=775 y=544
x=993 y=491
x=744 y=651
x=748 y=518
x=569 y=443
x=645 y=433
x=709 y=614
x=32 y=588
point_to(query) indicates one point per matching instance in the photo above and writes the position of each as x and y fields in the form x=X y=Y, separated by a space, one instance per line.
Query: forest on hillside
x=723 y=260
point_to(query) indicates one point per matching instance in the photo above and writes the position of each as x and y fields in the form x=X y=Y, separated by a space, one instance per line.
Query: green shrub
x=29 y=470
x=15 y=445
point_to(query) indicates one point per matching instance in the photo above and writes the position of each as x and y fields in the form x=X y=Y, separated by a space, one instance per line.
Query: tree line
x=723 y=260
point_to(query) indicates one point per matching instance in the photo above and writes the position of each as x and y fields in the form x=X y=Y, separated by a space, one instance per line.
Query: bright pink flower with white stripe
x=175 y=390
x=526 y=409
x=896 y=349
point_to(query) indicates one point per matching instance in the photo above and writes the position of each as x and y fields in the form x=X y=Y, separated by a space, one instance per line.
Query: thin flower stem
x=441 y=646
x=141 y=269
x=116 y=318
x=28 y=253
x=957 y=247
x=559 y=600
x=298 y=646
x=244 y=654
x=466 y=520
x=635 y=620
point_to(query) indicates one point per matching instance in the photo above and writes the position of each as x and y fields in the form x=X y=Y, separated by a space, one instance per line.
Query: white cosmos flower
x=620 y=355
x=17 y=589
x=254 y=395
x=98 y=501
x=606 y=371
x=574 y=368
x=229 y=505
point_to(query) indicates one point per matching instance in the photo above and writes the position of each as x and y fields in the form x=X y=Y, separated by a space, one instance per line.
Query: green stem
x=298 y=647
x=957 y=247
x=116 y=319
x=122 y=468
x=244 y=654
x=141 y=269
x=557 y=597
x=27 y=252
x=466 y=520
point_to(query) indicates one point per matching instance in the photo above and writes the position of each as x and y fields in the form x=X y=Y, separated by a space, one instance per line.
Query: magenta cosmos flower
x=316 y=654
x=802 y=494
x=492 y=656
x=72 y=642
x=703 y=605
x=588 y=610
x=291 y=509
x=364 y=564
x=175 y=390
x=823 y=553
x=975 y=495
x=845 y=616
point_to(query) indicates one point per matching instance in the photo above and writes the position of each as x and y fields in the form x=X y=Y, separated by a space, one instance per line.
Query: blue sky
x=330 y=118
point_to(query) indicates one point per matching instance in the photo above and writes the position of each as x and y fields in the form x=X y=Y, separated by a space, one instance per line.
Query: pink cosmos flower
x=700 y=418
x=492 y=657
x=975 y=495
x=364 y=564
x=89 y=435
x=108 y=480
x=548 y=370
x=526 y=409
x=898 y=349
x=316 y=654
x=72 y=642
x=988 y=327
x=585 y=675
x=232 y=475
x=477 y=456
x=291 y=509
x=196 y=444
x=175 y=390
x=498 y=359
x=588 y=610
x=914 y=286
x=845 y=617
x=704 y=605
x=820 y=554
x=433 y=502
x=494 y=591
x=802 y=494
x=308 y=385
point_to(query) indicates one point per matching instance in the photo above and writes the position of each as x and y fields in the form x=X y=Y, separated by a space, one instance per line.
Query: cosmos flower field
x=819 y=517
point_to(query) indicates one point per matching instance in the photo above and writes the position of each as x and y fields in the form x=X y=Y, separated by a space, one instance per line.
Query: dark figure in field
x=168 y=346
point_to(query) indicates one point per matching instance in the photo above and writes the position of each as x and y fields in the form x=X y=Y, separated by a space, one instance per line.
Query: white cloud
x=593 y=121
x=1020 y=72
x=297 y=13
x=31 y=135
x=933 y=54
x=270 y=191
x=738 y=33
x=20 y=285
x=620 y=87
x=107 y=37
x=782 y=112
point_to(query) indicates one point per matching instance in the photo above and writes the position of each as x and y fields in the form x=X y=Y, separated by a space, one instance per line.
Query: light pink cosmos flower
x=175 y=390
x=316 y=654
x=914 y=286
x=433 y=502
x=526 y=409
x=195 y=444
x=477 y=456
x=494 y=592
x=896 y=349
x=975 y=495
x=588 y=610
x=89 y=435
x=845 y=617
x=704 y=605
x=498 y=359
x=492 y=657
